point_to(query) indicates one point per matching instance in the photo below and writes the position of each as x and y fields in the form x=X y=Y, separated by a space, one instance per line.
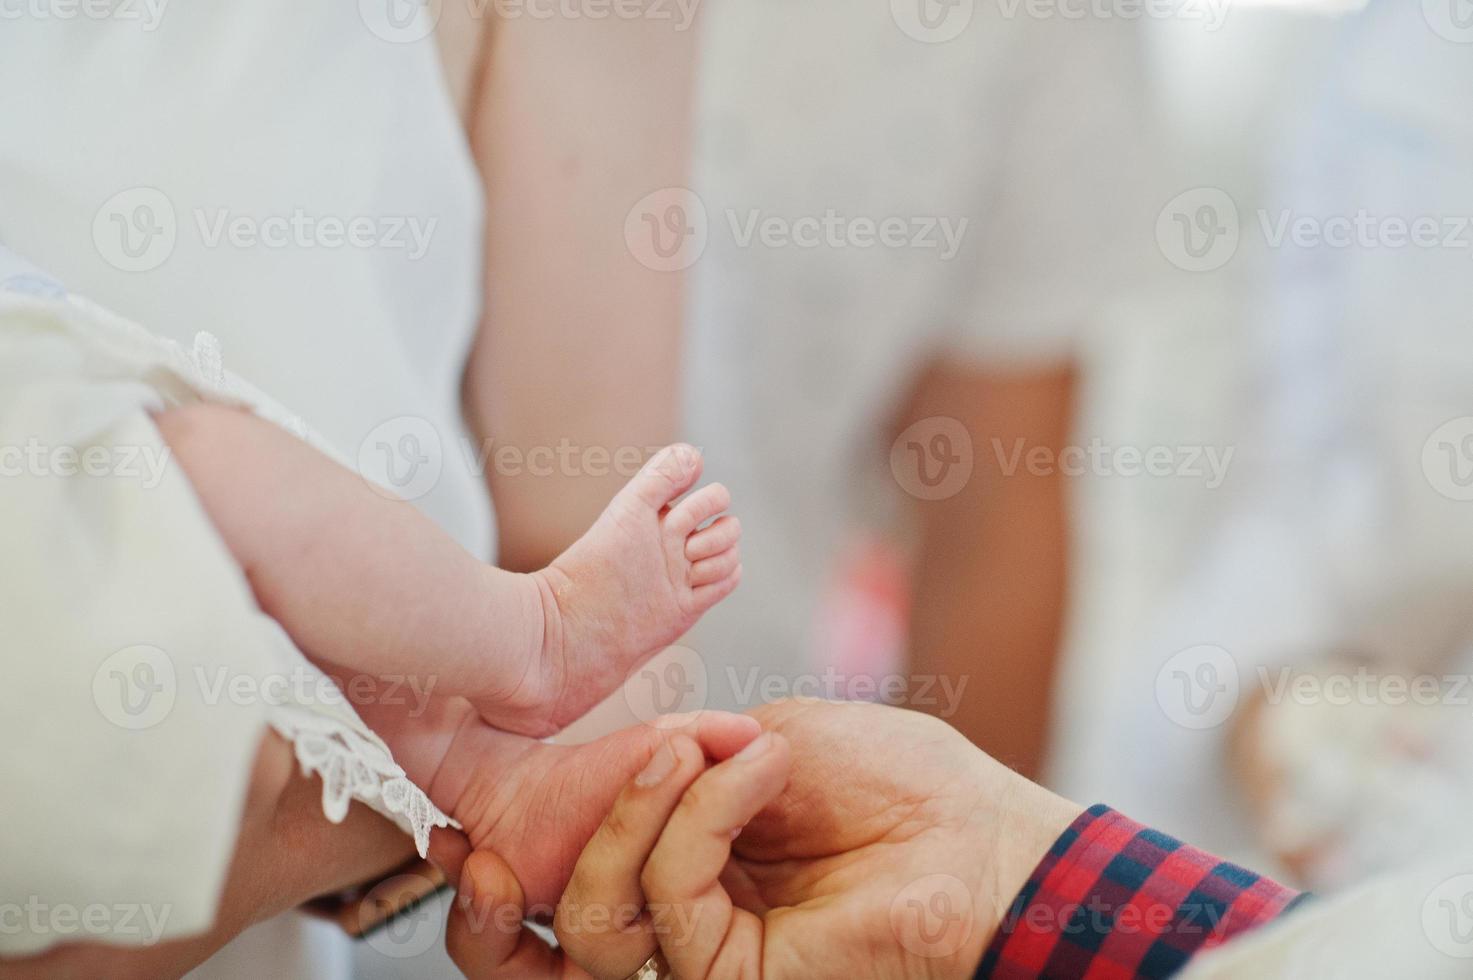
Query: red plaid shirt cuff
x=1113 y=899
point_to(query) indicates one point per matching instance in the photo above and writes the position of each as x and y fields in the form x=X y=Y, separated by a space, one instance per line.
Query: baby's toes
x=696 y=509
x=709 y=571
x=671 y=472
x=703 y=597
x=723 y=533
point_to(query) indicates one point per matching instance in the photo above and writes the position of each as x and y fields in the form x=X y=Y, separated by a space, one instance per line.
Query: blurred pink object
x=861 y=623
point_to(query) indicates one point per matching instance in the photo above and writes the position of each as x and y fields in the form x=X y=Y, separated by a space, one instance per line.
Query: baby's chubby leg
x=370 y=585
x=359 y=581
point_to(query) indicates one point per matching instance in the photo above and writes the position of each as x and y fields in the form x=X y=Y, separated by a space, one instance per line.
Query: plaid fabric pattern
x=1113 y=900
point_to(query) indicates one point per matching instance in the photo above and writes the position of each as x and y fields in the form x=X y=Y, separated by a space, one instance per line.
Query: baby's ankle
x=552 y=587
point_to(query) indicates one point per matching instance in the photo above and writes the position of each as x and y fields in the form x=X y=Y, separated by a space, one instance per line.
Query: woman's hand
x=876 y=842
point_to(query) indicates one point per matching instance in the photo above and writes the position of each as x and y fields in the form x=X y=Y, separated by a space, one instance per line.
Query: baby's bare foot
x=642 y=576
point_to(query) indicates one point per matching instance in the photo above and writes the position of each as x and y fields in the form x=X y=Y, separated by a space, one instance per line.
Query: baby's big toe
x=671 y=472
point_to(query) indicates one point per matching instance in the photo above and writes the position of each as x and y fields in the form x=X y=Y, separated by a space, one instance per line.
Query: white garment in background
x=1022 y=133
x=225 y=123
x=137 y=161
x=1346 y=360
x=1416 y=923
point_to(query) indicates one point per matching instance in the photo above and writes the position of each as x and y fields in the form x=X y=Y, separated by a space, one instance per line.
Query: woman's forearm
x=990 y=581
x=575 y=121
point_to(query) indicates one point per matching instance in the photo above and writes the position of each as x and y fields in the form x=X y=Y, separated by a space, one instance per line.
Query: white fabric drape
x=140 y=674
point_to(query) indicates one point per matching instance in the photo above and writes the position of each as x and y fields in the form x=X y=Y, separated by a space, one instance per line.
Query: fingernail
x=660 y=766
x=758 y=746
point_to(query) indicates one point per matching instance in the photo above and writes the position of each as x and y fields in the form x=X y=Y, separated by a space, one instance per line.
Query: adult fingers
x=448 y=850
x=485 y=935
x=682 y=876
x=721 y=734
x=602 y=921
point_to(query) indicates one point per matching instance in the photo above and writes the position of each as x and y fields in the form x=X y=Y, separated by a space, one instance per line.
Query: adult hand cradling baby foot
x=798 y=857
